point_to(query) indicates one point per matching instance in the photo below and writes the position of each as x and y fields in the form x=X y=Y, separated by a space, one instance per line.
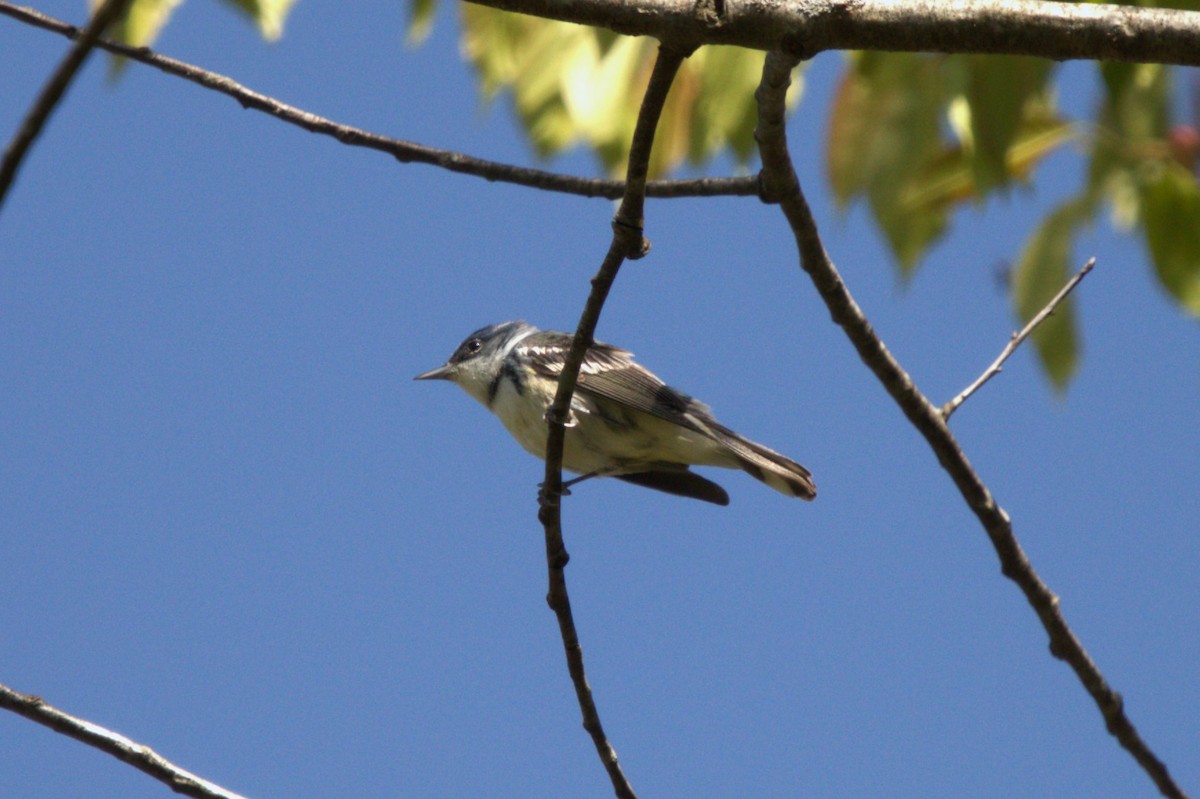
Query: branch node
x=631 y=237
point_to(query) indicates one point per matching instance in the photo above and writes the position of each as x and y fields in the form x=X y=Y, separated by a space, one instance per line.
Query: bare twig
x=627 y=243
x=404 y=151
x=1016 y=340
x=141 y=757
x=1043 y=28
x=53 y=92
x=781 y=185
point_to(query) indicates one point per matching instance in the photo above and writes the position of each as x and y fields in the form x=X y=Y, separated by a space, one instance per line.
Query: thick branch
x=1055 y=30
x=53 y=92
x=627 y=242
x=137 y=755
x=781 y=185
x=1016 y=340
x=403 y=151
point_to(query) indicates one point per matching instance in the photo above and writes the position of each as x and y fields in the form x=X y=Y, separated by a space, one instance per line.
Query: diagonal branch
x=404 y=151
x=627 y=243
x=53 y=92
x=782 y=186
x=137 y=755
x=1017 y=338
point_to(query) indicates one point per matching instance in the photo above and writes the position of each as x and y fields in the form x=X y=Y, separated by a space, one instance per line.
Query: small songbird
x=624 y=422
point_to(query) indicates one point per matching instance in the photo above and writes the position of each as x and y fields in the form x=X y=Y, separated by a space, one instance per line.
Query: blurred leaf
x=1138 y=167
x=1172 y=226
x=138 y=27
x=267 y=14
x=883 y=132
x=999 y=91
x=142 y=20
x=145 y=19
x=724 y=118
x=420 y=21
x=572 y=84
x=949 y=179
x=886 y=141
x=883 y=122
x=1132 y=127
x=1042 y=270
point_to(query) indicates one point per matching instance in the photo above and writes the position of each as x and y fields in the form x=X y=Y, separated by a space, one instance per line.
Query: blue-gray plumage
x=624 y=422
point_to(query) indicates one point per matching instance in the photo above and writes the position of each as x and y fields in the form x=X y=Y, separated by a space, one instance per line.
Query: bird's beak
x=441 y=373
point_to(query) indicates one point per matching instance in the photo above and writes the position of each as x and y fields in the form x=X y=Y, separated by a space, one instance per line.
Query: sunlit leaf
x=142 y=20
x=145 y=19
x=1172 y=226
x=269 y=15
x=573 y=84
x=1042 y=270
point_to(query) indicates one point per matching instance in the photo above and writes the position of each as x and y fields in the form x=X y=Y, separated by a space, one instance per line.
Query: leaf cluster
x=915 y=136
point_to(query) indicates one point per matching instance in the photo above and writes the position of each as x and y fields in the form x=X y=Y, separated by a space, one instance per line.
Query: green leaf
x=999 y=93
x=145 y=19
x=886 y=142
x=420 y=21
x=883 y=132
x=1172 y=226
x=573 y=84
x=1041 y=271
x=269 y=15
x=138 y=27
x=1132 y=128
x=142 y=21
x=950 y=179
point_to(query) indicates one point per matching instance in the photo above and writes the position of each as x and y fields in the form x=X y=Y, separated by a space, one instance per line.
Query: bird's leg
x=580 y=479
x=566 y=486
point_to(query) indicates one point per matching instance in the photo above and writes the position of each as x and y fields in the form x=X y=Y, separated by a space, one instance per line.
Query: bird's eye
x=473 y=345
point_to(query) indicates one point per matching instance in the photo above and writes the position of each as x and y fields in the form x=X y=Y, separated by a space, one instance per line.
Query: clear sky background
x=233 y=528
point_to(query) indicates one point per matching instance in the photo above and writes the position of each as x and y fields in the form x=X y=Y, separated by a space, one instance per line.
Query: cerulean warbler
x=624 y=422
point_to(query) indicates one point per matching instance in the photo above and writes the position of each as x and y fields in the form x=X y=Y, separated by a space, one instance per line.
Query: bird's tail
x=779 y=472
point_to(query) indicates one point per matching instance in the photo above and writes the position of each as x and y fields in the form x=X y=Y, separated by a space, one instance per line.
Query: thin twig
x=137 y=755
x=781 y=185
x=993 y=370
x=627 y=242
x=53 y=92
x=399 y=149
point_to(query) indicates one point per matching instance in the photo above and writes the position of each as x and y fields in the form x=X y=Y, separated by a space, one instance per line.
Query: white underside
x=635 y=442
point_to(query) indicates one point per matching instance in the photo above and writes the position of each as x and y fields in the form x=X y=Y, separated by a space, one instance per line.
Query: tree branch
x=1055 y=30
x=137 y=755
x=53 y=92
x=781 y=185
x=1017 y=338
x=627 y=243
x=404 y=151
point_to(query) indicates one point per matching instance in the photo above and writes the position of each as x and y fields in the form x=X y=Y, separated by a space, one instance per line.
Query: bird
x=624 y=422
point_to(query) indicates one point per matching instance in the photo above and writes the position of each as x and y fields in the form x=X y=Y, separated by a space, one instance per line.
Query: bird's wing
x=611 y=373
x=681 y=483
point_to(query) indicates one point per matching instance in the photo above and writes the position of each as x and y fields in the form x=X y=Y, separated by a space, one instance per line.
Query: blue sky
x=235 y=530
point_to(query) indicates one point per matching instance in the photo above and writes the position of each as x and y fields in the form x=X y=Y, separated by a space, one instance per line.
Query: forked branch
x=53 y=92
x=1041 y=316
x=782 y=186
x=627 y=243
